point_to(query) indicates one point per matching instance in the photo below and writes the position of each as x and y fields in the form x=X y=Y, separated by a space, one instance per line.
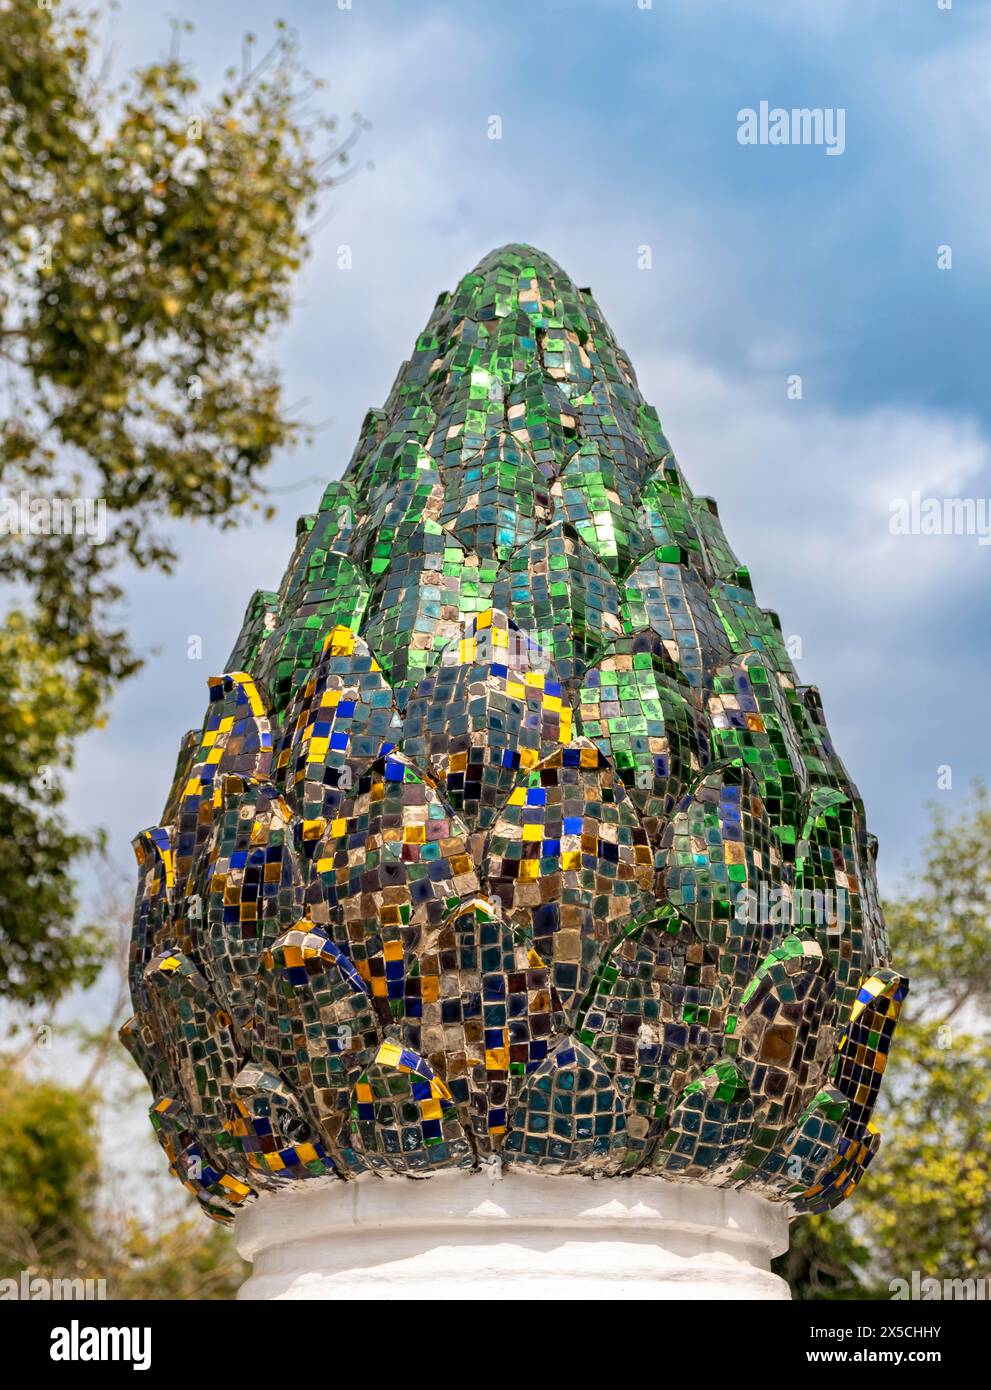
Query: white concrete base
x=512 y=1236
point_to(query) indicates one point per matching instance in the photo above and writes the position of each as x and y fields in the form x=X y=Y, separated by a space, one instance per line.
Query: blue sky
x=619 y=131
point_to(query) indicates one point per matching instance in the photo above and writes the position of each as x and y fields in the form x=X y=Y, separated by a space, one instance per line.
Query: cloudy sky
x=619 y=132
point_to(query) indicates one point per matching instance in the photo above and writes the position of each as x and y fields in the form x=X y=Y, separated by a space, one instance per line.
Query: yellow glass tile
x=235 y=1187
x=340 y=641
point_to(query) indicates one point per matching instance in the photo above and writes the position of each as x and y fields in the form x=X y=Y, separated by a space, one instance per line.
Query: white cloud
x=805 y=492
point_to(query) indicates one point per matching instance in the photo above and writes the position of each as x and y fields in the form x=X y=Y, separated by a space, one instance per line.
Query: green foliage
x=148 y=241
x=52 y=1220
x=43 y=705
x=925 y=1203
x=186 y=1259
x=48 y=1160
x=928 y=1201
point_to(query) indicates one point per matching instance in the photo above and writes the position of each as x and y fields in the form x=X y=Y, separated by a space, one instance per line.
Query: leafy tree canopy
x=54 y=1223
x=149 y=236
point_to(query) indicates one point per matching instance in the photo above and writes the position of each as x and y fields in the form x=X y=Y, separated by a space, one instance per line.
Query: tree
x=53 y=1223
x=925 y=1203
x=48 y=1162
x=150 y=236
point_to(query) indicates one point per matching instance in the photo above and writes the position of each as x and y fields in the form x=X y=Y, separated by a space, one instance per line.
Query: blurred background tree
x=149 y=236
x=925 y=1202
x=55 y=1220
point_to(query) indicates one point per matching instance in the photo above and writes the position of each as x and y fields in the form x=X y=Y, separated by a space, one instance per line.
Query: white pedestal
x=514 y=1236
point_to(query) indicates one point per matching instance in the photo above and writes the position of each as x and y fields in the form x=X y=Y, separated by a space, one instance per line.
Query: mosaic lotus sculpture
x=511 y=835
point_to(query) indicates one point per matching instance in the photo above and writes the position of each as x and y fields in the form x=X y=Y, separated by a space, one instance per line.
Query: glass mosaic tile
x=510 y=833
